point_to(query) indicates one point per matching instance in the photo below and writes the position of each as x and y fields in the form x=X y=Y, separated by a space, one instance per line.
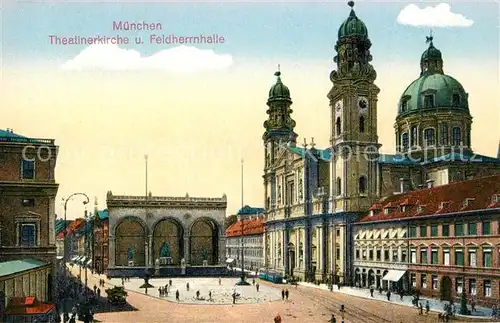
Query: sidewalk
x=435 y=304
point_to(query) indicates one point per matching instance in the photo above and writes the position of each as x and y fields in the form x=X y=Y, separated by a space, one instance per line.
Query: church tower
x=278 y=131
x=353 y=104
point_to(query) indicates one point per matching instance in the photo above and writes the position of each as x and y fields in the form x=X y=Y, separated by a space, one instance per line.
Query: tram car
x=271 y=275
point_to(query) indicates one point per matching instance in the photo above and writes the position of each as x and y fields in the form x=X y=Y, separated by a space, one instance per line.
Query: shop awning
x=394 y=275
x=82 y=260
x=229 y=260
x=21 y=306
x=77 y=258
x=74 y=258
x=89 y=262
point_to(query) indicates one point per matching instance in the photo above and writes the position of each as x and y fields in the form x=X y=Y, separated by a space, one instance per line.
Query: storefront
x=25 y=290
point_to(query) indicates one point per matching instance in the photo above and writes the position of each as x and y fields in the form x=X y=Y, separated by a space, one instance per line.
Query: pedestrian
x=389 y=295
x=277 y=318
x=257 y=287
x=253 y=281
x=187 y=287
x=197 y=294
x=333 y=319
x=421 y=309
x=177 y=295
x=473 y=305
x=234 y=297
x=286 y=294
x=220 y=281
x=427 y=307
x=282 y=294
x=159 y=292
x=170 y=282
x=210 y=295
x=371 y=291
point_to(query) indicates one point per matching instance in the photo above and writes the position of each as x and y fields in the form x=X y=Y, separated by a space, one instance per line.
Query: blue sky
x=263 y=30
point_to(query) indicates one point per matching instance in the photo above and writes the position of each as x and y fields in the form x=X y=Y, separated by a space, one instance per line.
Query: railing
x=28 y=140
x=164 y=198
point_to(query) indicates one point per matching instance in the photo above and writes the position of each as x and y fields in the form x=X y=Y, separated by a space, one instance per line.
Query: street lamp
x=242 y=281
x=87 y=200
x=87 y=217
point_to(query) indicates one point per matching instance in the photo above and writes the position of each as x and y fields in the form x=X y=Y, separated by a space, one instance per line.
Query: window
x=487 y=288
x=459 y=229
x=339 y=186
x=423 y=230
x=357 y=253
x=486 y=228
x=413 y=232
x=429 y=101
x=446 y=257
x=429 y=137
x=361 y=124
x=472 y=228
x=28 y=169
x=472 y=258
x=338 y=233
x=395 y=255
x=413 y=255
x=444 y=134
x=27 y=235
x=487 y=258
x=404 y=255
x=423 y=256
x=456 y=100
x=414 y=136
x=378 y=254
x=459 y=283
x=434 y=257
x=386 y=255
x=28 y=202
x=423 y=281
x=434 y=230
x=446 y=230
x=364 y=254
x=404 y=139
x=413 y=279
x=456 y=137
x=370 y=255
x=362 y=185
x=435 y=284
x=338 y=253
x=459 y=257
x=338 y=126
x=404 y=105
x=472 y=287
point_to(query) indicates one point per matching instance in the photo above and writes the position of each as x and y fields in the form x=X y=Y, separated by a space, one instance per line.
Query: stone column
x=297 y=248
x=321 y=253
x=52 y=218
x=222 y=249
x=151 y=255
x=111 y=252
x=186 y=250
x=264 y=244
x=273 y=250
x=307 y=249
x=286 y=261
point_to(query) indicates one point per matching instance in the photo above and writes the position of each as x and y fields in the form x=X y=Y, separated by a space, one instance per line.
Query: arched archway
x=371 y=278
x=130 y=240
x=168 y=240
x=203 y=242
x=291 y=258
x=445 y=290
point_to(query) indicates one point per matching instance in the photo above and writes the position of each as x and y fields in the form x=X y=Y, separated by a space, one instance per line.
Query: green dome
x=353 y=26
x=433 y=91
x=431 y=53
x=279 y=91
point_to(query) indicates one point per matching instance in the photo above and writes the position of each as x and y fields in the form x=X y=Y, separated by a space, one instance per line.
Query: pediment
x=284 y=156
x=28 y=216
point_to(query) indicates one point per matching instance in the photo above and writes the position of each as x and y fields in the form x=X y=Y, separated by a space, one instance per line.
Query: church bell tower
x=353 y=104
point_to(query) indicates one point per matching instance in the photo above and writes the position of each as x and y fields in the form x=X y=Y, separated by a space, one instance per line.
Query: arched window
x=456 y=136
x=362 y=184
x=429 y=136
x=361 y=124
x=339 y=186
x=414 y=136
x=404 y=139
x=444 y=134
x=338 y=126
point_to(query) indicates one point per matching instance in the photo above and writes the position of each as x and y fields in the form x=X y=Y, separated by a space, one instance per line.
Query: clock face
x=363 y=104
x=339 y=105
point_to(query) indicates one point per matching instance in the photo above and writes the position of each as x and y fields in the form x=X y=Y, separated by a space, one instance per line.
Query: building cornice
x=186 y=202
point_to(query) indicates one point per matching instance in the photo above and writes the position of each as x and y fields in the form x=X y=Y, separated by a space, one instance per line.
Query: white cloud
x=438 y=16
x=181 y=59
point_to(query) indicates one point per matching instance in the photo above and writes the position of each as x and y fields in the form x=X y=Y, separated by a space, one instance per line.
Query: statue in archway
x=165 y=251
x=204 y=253
x=130 y=254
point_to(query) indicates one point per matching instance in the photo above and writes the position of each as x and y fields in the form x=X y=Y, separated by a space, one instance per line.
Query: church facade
x=313 y=196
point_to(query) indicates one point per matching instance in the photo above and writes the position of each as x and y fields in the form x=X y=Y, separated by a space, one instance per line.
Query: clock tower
x=353 y=104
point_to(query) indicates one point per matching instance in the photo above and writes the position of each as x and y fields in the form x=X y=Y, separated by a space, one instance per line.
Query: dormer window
x=456 y=100
x=387 y=210
x=443 y=205
x=421 y=208
x=372 y=212
x=495 y=198
x=429 y=101
x=468 y=201
x=404 y=105
x=404 y=208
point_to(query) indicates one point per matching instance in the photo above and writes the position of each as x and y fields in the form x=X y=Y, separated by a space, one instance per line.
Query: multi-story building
x=100 y=241
x=449 y=236
x=312 y=196
x=61 y=225
x=27 y=214
x=246 y=235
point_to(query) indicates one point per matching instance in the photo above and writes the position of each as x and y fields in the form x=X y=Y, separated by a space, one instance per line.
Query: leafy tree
x=230 y=220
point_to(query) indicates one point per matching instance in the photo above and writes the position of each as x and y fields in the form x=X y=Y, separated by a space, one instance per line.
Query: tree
x=230 y=220
x=463 y=305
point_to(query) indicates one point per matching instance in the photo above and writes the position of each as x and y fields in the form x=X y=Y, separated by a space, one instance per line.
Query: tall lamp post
x=242 y=221
x=86 y=244
x=87 y=200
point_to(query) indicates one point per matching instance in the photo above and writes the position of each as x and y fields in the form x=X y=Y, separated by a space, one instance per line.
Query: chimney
x=430 y=183
x=403 y=185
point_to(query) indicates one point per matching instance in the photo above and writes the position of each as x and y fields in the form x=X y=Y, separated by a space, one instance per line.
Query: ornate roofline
x=166 y=201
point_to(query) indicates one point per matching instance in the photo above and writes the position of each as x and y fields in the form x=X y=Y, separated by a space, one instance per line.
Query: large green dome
x=279 y=91
x=447 y=93
x=353 y=26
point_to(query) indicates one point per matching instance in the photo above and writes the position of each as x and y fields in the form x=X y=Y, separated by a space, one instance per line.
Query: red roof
x=72 y=227
x=27 y=306
x=250 y=226
x=441 y=199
